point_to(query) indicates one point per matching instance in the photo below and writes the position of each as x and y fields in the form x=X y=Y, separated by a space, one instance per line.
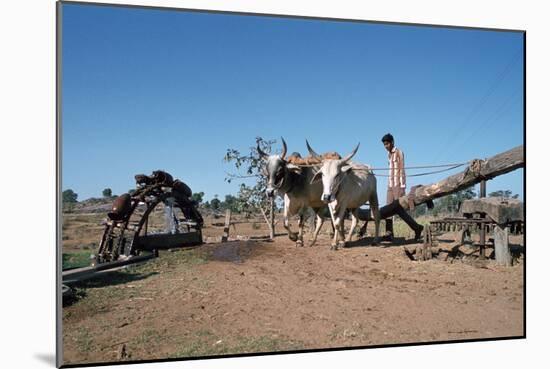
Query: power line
x=452 y=141
x=494 y=118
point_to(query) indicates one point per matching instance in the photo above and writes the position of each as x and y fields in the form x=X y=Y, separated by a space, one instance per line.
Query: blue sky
x=151 y=89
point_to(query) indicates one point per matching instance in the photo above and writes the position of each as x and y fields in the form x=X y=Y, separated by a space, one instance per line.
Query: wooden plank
x=502 y=249
x=167 y=241
x=79 y=274
x=226 y=226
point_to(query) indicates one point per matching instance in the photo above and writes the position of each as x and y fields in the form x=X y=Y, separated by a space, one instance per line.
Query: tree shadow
x=443 y=240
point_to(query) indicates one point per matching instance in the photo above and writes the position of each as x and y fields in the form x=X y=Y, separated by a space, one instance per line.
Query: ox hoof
x=334 y=247
x=312 y=242
x=342 y=244
x=299 y=243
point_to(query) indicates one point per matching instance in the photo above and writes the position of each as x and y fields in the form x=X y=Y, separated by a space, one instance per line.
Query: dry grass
x=206 y=343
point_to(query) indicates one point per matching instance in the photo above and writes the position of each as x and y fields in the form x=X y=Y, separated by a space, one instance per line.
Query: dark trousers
x=386 y=213
x=393 y=194
x=394 y=208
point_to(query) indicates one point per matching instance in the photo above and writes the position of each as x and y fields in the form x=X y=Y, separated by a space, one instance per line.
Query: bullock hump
x=310 y=160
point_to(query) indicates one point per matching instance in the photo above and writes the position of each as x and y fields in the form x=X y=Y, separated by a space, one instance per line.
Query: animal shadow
x=368 y=242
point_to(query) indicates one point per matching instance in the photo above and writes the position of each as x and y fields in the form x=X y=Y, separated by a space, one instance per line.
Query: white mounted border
x=28 y=153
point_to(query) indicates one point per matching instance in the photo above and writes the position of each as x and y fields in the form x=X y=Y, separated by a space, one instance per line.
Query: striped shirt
x=396 y=160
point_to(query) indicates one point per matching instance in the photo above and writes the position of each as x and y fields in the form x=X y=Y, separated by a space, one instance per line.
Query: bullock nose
x=326 y=198
x=270 y=192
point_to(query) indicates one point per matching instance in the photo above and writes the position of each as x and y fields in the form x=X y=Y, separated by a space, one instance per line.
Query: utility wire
x=451 y=140
x=489 y=122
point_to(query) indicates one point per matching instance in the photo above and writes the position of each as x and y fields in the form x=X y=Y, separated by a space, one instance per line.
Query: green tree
x=232 y=203
x=107 y=192
x=198 y=197
x=69 y=196
x=252 y=196
x=507 y=194
x=420 y=210
x=450 y=204
x=215 y=203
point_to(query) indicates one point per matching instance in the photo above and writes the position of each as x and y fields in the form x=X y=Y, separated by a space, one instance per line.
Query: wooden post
x=421 y=249
x=482 y=194
x=459 y=237
x=502 y=250
x=271 y=219
x=428 y=251
x=226 y=226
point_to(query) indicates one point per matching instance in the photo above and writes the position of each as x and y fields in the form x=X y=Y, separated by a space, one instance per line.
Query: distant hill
x=91 y=205
x=104 y=204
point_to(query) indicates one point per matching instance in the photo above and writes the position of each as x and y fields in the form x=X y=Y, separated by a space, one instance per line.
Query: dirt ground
x=257 y=296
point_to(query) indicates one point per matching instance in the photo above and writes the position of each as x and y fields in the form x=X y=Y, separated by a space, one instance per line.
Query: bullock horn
x=283 y=154
x=347 y=158
x=261 y=152
x=311 y=151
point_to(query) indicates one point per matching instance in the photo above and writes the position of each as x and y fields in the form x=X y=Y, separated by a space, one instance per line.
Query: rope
x=446 y=166
x=425 y=173
x=452 y=166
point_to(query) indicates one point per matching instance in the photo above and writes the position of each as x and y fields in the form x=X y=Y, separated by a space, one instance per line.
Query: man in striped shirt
x=397 y=185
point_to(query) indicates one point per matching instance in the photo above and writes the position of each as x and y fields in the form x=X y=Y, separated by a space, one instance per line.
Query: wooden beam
x=168 y=241
x=502 y=250
x=78 y=274
x=226 y=226
x=477 y=171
